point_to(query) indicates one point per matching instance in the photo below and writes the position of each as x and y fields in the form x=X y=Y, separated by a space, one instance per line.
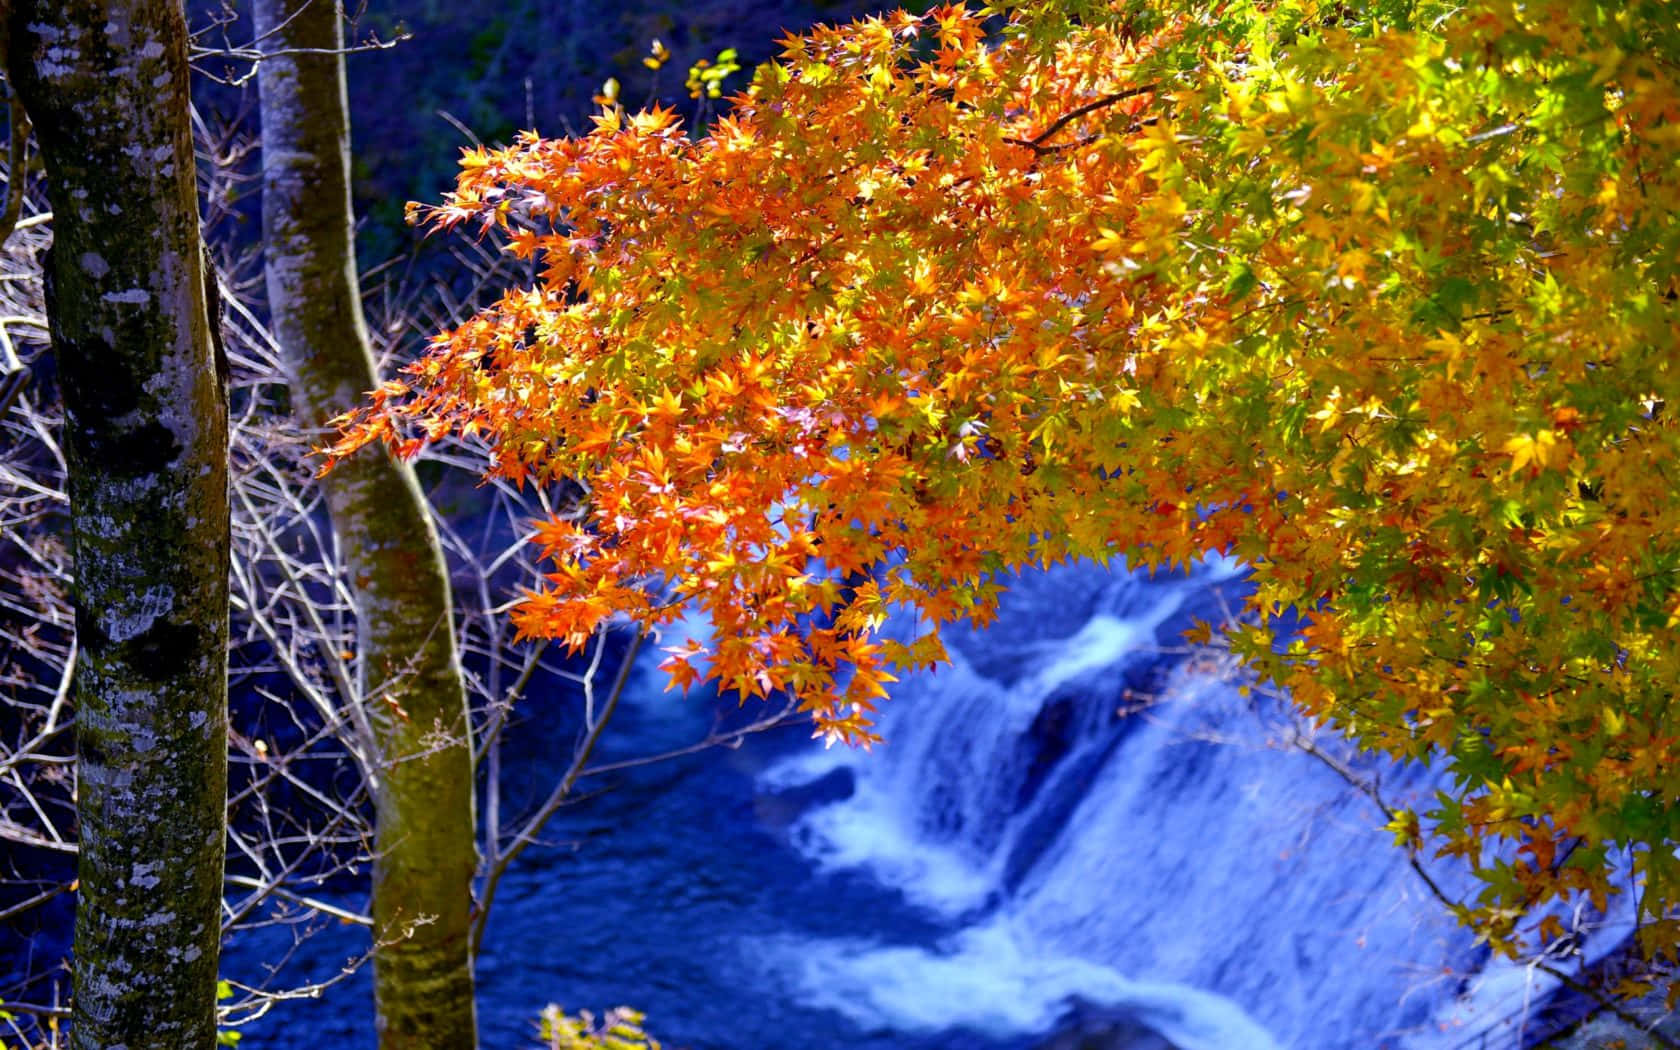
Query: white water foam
x=992 y=979
x=1229 y=891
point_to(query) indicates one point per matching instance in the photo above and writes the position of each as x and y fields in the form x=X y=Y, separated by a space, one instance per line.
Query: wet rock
x=780 y=808
x=1089 y=1027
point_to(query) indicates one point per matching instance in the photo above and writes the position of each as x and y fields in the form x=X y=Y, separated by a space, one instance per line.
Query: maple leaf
x=1542 y=449
x=1391 y=315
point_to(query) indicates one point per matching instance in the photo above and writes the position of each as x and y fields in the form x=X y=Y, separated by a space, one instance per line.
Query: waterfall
x=1096 y=817
x=1074 y=825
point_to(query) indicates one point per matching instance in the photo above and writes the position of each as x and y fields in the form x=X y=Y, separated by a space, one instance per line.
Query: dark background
x=497 y=69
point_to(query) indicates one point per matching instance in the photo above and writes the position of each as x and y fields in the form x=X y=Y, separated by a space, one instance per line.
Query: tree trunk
x=411 y=680
x=105 y=82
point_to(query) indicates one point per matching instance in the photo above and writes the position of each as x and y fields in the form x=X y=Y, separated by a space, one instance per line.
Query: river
x=1076 y=817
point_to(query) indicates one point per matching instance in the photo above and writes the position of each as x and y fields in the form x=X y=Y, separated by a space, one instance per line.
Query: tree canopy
x=1378 y=296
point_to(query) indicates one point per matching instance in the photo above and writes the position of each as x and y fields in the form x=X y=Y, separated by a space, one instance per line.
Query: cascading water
x=1098 y=820
x=1075 y=826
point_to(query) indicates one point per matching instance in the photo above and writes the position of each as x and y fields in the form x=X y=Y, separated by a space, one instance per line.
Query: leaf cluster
x=1380 y=297
x=619 y=1029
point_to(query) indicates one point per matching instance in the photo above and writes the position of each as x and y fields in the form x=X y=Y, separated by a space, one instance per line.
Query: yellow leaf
x=1540 y=449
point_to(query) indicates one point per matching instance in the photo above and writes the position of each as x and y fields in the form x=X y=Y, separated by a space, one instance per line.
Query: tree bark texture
x=105 y=82
x=426 y=853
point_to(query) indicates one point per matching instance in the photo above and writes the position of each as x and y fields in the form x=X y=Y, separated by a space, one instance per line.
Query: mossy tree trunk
x=410 y=678
x=105 y=82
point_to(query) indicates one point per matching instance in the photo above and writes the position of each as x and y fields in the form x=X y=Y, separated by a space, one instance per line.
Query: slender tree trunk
x=105 y=82
x=426 y=851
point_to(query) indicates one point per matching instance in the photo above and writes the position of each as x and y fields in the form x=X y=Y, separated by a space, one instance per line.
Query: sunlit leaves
x=619 y=1029
x=1422 y=227
x=1379 y=296
x=748 y=347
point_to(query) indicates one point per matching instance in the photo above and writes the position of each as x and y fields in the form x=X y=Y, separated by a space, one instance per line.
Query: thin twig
x=1036 y=143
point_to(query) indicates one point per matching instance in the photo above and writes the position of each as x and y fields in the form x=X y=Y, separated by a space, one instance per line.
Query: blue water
x=646 y=894
x=1073 y=812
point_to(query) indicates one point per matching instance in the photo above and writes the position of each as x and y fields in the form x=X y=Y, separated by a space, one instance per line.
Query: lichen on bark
x=105 y=83
x=410 y=680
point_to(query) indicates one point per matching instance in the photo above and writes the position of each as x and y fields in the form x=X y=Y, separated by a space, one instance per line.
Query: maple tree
x=1379 y=297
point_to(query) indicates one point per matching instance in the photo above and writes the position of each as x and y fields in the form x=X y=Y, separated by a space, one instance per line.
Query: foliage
x=1379 y=296
x=706 y=77
x=226 y=1036
x=619 y=1029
